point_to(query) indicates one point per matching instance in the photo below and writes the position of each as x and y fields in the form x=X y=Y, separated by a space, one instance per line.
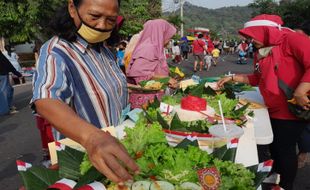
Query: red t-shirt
x=198 y=46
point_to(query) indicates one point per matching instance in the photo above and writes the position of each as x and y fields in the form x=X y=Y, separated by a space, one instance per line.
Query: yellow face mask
x=92 y=35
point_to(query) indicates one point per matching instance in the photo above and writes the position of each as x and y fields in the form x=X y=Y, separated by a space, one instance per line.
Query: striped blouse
x=85 y=77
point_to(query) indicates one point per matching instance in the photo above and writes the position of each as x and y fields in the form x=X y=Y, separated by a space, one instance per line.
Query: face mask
x=92 y=35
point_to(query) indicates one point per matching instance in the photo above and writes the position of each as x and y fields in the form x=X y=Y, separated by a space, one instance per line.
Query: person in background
x=199 y=47
x=13 y=58
x=130 y=47
x=184 y=49
x=304 y=141
x=6 y=90
x=44 y=127
x=282 y=55
x=120 y=55
x=78 y=87
x=148 y=60
x=251 y=50
x=176 y=52
x=208 y=61
x=215 y=55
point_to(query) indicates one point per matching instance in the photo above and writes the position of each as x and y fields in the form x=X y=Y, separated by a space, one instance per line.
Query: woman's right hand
x=110 y=157
x=224 y=80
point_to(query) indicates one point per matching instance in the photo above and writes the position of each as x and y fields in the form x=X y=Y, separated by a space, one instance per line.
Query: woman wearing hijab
x=283 y=55
x=148 y=59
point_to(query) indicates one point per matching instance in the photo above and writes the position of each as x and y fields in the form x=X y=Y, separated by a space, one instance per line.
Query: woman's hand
x=224 y=80
x=303 y=101
x=110 y=157
x=301 y=95
x=173 y=83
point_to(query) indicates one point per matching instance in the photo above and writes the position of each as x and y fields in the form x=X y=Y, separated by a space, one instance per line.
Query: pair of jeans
x=283 y=149
x=6 y=94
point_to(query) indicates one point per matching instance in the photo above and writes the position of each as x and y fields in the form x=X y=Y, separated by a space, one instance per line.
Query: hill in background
x=224 y=22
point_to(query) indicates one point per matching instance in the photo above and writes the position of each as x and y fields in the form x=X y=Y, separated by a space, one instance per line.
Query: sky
x=211 y=4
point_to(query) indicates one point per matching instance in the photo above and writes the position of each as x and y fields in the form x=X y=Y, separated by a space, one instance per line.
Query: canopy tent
x=188 y=38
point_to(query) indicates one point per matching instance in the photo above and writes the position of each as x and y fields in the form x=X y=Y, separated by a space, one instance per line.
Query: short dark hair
x=200 y=35
x=62 y=24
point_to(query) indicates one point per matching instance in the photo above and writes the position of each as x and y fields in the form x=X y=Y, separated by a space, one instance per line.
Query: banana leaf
x=198 y=90
x=91 y=175
x=219 y=152
x=164 y=81
x=176 y=124
x=148 y=117
x=259 y=175
x=238 y=87
x=39 y=178
x=69 y=161
x=186 y=142
x=154 y=104
x=236 y=114
x=162 y=121
x=209 y=91
x=230 y=154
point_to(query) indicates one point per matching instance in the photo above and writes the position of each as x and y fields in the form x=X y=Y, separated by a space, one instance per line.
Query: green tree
x=293 y=13
x=264 y=7
x=24 y=20
x=137 y=13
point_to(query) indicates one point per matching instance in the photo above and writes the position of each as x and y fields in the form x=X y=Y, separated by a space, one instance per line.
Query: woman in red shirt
x=282 y=55
x=199 y=46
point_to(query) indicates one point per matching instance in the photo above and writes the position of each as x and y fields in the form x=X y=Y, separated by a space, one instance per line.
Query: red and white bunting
x=22 y=166
x=265 y=166
x=59 y=146
x=93 y=186
x=64 y=184
x=233 y=143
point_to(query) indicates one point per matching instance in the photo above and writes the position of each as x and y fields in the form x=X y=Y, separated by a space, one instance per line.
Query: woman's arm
x=236 y=78
x=104 y=151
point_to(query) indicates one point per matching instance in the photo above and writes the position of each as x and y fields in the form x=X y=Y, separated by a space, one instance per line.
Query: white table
x=261 y=122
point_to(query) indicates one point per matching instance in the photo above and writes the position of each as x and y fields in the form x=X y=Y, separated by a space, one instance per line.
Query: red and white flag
x=22 y=166
x=93 y=186
x=265 y=166
x=64 y=184
x=233 y=143
x=59 y=146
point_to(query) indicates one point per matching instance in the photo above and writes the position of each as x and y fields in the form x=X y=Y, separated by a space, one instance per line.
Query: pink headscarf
x=148 y=56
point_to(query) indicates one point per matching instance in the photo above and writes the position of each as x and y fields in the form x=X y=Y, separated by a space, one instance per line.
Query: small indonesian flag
x=192 y=138
x=64 y=184
x=232 y=144
x=22 y=166
x=59 y=146
x=165 y=108
x=93 y=186
x=265 y=166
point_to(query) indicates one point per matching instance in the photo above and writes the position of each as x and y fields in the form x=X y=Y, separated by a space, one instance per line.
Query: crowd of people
x=80 y=86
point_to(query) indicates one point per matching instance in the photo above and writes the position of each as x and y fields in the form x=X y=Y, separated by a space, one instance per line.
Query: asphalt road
x=19 y=137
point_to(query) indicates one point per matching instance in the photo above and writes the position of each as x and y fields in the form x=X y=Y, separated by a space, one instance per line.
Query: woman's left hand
x=301 y=95
x=303 y=101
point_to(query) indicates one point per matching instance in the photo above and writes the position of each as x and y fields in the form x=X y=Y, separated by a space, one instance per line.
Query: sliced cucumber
x=161 y=185
x=190 y=186
x=141 y=185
